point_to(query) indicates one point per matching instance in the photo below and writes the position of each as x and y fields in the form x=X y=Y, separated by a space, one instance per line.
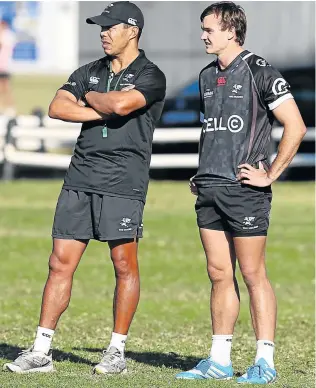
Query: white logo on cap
x=132 y=21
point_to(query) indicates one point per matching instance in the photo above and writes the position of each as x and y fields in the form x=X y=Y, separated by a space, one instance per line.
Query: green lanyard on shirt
x=108 y=87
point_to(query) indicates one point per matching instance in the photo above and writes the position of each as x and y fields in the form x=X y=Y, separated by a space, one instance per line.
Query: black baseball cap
x=119 y=12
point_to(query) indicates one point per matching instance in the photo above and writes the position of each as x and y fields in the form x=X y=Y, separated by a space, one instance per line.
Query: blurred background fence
x=44 y=56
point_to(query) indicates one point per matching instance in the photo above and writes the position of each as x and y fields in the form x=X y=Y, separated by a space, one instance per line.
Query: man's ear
x=231 y=34
x=134 y=32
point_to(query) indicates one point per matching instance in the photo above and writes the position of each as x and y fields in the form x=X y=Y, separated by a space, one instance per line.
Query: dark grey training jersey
x=237 y=104
x=119 y=163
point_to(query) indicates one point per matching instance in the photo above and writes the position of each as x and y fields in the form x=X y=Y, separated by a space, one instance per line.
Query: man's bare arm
x=118 y=102
x=294 y=130
x=66 y=107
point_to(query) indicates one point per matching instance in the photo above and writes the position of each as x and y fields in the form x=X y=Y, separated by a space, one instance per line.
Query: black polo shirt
x=237 y=104
x=119 y=163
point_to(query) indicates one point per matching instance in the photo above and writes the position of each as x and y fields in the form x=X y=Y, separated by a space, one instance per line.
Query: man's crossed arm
x=66 y=107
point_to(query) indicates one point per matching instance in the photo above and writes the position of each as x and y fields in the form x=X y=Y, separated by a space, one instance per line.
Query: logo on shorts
x=248 y=222
x=125 y=223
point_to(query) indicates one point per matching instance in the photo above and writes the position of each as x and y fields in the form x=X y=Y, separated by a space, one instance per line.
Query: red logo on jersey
x=221 y=81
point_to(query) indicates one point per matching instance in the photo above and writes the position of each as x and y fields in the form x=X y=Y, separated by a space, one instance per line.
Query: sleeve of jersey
x=276 y=89
x=77 y=83
x=152 y=84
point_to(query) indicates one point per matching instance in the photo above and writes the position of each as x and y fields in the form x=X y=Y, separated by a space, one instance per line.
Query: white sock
x=43 y=339
x=118 y=341
x=265 y=349
x=221 y=349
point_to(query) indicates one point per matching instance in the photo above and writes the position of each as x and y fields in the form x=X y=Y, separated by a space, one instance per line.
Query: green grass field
x=171 y=330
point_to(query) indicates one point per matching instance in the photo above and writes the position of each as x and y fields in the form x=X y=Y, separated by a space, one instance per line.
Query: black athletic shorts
x=82 y=216
x=241 y=210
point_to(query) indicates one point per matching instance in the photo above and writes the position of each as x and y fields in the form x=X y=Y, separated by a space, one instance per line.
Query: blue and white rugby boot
x=208 y=369
x=260 y=373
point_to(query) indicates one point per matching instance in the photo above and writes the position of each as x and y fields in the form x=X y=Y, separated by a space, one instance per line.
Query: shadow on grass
x=168 y=360
x=10 y=352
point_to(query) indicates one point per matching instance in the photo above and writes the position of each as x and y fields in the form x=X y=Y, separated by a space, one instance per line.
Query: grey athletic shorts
x=83 y=216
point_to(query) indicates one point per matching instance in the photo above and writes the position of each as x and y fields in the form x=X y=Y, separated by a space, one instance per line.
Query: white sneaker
x=30 y=361
x=113 y=362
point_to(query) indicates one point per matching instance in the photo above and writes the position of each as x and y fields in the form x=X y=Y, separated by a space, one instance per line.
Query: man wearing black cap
x=118 y=98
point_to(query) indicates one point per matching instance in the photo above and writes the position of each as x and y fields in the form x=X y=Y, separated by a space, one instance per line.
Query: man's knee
x=254 y=276
x=60 y=263
x=125 y=265
x=218 y=275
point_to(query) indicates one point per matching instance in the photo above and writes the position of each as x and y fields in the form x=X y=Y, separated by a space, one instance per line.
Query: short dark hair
x=232 y=16
x=139 y=30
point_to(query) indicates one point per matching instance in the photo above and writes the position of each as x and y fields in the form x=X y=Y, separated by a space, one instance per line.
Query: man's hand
x=249 y=175
x=81 y=103
x=192 y=186
x=66 y=107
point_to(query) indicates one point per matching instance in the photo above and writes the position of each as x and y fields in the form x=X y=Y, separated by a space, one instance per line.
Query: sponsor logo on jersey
x=221 y=81
x=70 y=83
x=208 y=93
x=262 y=62
x=279 y=87
x=213 y=124
x=132 y=21
x=94 y=80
